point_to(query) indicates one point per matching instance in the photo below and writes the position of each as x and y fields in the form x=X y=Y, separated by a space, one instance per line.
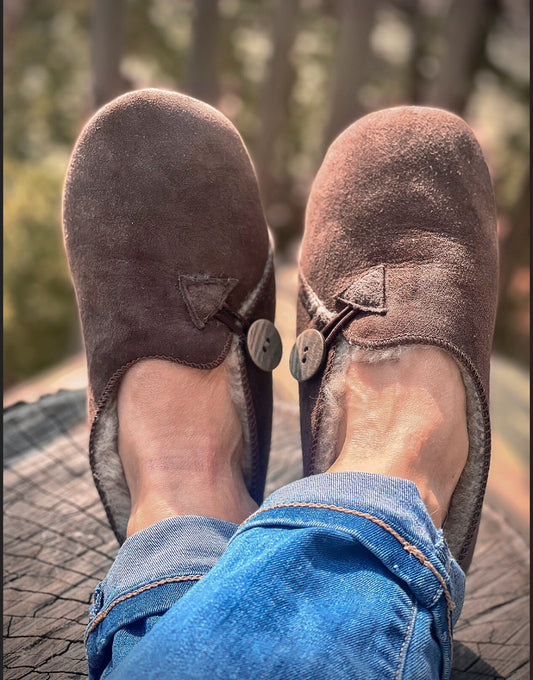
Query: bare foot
x=406 y=417
x=180 y=443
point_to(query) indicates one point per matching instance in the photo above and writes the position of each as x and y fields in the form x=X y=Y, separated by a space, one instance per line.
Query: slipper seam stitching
x=252 y=298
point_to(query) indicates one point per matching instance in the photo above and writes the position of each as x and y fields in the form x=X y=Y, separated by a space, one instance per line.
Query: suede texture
x=163 y=226
x=401 y=224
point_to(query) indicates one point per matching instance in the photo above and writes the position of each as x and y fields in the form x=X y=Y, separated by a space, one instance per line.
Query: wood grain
x=58 y=545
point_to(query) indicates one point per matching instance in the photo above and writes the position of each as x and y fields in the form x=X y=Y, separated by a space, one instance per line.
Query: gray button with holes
x=307 y=354
x=264 y=344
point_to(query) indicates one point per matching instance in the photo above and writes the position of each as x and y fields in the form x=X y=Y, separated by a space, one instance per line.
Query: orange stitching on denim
x=411 y=623
x=149 y=586
x=408 y=547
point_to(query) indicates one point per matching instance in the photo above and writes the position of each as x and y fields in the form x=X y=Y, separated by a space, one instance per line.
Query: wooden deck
x=58 y=545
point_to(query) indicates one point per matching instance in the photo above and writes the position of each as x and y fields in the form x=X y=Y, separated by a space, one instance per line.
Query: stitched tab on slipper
x=204 y=296
x=367 y=292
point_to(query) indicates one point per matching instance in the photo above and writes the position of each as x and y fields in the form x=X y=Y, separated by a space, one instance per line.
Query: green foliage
x=47 y=98
x=39 y=306
x=45 y=101
x=46 y=91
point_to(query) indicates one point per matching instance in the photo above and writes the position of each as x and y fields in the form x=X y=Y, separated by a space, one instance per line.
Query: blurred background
x=291 y=74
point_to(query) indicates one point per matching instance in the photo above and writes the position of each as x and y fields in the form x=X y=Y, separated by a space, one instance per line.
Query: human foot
x=400 y=247
x=180 y=443
x=406 y=417
x=170 y=257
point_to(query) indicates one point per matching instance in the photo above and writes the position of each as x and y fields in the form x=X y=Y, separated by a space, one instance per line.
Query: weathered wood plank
x=57 y=546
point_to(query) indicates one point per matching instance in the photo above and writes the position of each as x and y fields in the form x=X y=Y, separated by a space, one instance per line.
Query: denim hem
x=156 y=584
x=442 y=588
x=176 y=546
x=364 y=505
x=355 y=553
x=395 y=498
x=153 y=569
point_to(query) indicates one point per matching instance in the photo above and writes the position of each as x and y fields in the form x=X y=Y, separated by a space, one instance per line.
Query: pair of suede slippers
x=171 y=258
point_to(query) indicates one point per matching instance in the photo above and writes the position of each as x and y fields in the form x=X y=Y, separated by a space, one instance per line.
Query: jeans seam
x=409 y=627
x=408 y=547
x=171 y=579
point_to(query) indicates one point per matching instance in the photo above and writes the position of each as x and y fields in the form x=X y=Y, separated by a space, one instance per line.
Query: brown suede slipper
x=400 y=248
x=171 y=258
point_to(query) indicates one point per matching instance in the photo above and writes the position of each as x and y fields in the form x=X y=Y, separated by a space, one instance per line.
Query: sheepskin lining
x=107 y=470
x=235 y=368
x=107 y=466
x=465 y=496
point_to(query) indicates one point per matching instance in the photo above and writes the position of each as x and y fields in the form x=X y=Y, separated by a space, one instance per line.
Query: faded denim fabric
x=336 y=576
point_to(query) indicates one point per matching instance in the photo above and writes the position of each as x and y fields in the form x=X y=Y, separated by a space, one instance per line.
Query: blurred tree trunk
x=465 y=37
x=416 y=19
x=276 y=93
x=511 y=335
x=14 y=13
x=203 y=78
x=107 y=45
x=353 y=55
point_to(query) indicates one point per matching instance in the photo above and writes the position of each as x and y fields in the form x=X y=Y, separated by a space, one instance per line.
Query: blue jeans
x=339 y=575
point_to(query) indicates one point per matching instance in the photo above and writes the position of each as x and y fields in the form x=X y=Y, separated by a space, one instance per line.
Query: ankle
x=227 y=500
x=181 y=444
x=406 y=418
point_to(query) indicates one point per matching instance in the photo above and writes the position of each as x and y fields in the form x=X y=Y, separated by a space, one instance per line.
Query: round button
x=307 y=354
x=264 y=344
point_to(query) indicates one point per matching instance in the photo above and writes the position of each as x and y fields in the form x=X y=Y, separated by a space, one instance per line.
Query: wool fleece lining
x=107 y=466
x=465 y=496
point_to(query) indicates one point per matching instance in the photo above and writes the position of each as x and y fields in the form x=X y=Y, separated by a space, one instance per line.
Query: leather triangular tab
x=204 y=296
x=367 y=292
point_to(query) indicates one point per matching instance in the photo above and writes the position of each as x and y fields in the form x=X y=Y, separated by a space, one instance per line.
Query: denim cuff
x=387 y=516
x=154 y=568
